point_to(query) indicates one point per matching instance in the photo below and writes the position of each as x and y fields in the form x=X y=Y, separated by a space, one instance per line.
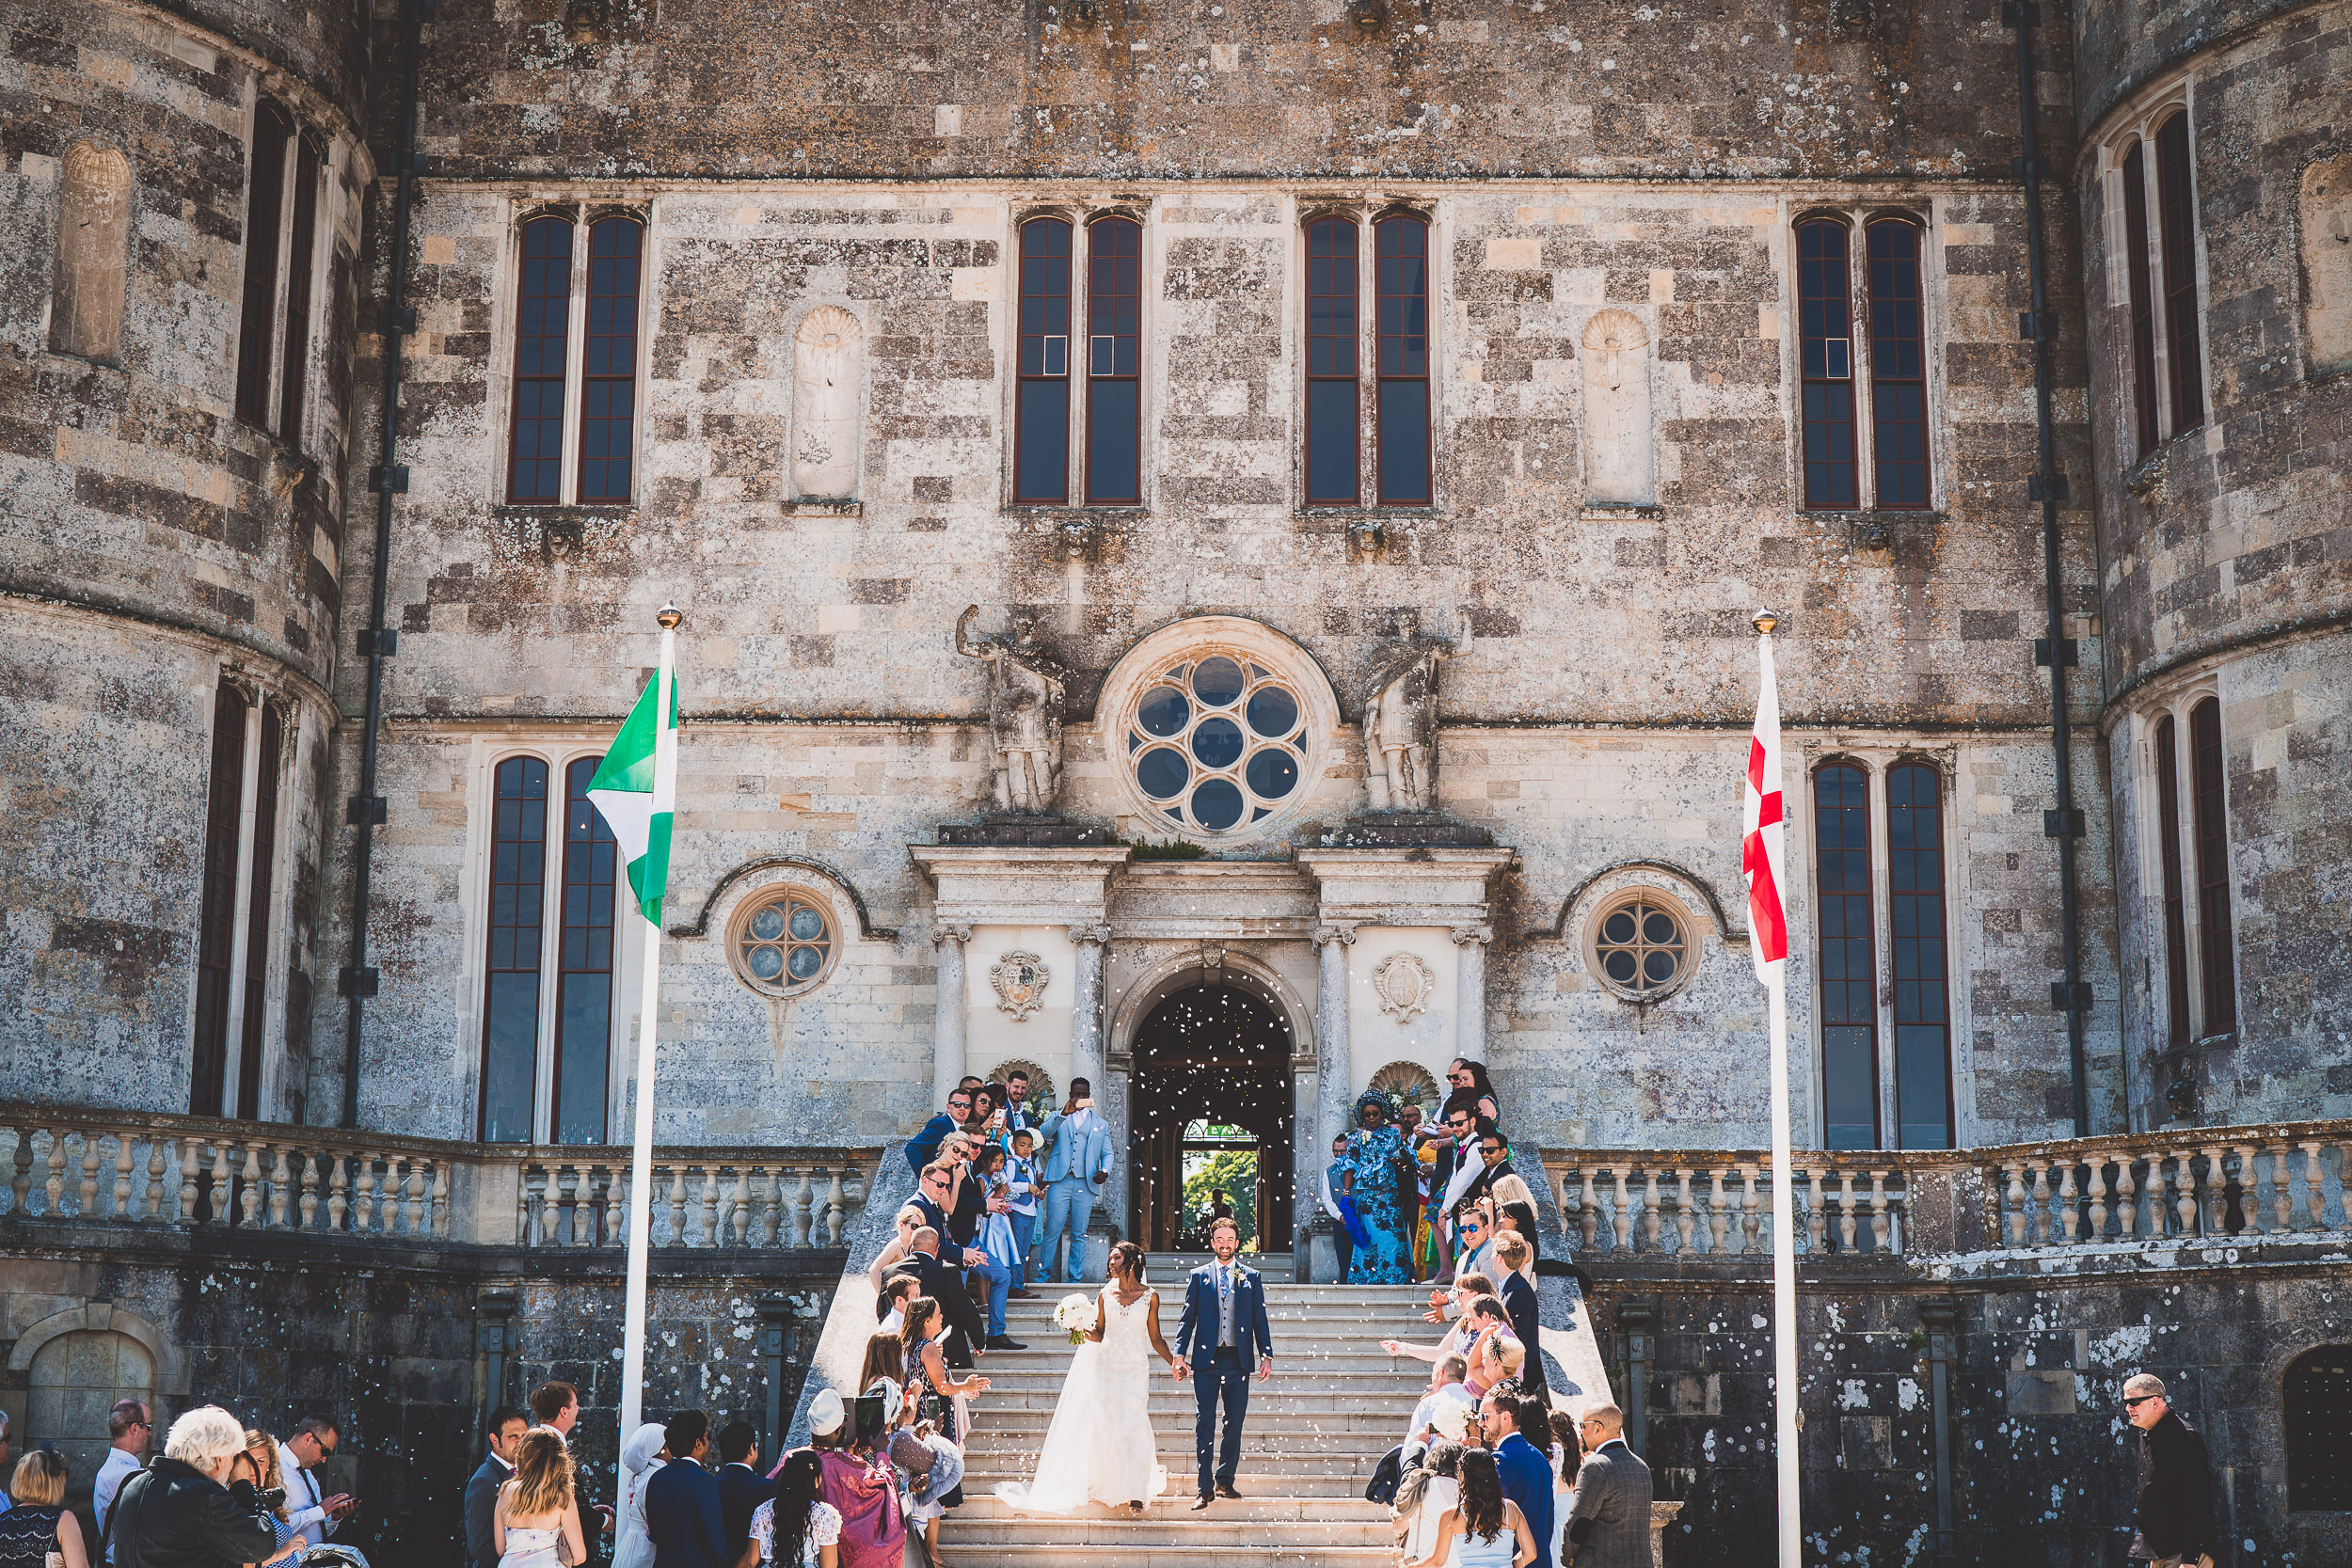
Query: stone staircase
x=1315 y=1433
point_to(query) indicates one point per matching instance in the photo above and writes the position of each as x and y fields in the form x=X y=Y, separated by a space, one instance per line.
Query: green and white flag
x=636 y=789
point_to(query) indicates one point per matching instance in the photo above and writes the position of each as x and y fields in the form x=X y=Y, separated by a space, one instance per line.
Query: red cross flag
x=1760 y=832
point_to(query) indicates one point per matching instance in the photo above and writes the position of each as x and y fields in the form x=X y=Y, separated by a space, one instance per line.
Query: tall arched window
x=584 y=1003
x=1042 y=402
x=1898 y=367
x=1401 y=289
x=2315 y=1401
x=2210 y=815
x=266 y=195
x=510 y=1008
x=1114 y=361
x=608 y=387
x=2167 y=749
x=2176 y=209
x=232 y=946
x=1825 y=363
x=1923 y=1032
x=542 y=321
x=1333 y=289
x=1850 y=1004
x=2140 y=296
x=217 y=916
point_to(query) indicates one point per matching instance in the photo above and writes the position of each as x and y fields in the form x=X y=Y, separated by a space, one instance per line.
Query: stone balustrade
x=197 y=1173
x=2139 y=1189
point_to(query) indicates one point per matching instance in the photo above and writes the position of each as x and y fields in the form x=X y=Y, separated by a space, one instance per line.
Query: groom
x=1224 y=1330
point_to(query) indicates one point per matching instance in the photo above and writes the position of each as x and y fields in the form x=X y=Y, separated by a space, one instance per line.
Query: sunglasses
x=1490 y=1150
x=2137 y=1400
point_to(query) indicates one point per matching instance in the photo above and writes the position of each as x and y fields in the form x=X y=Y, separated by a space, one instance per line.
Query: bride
x=1099 y=1447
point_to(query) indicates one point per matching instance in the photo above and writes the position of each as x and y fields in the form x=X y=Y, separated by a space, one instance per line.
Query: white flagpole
x=641 y=1151
x=1784 y=1193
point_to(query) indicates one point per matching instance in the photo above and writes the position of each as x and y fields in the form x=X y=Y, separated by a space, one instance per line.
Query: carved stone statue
x=1401 y=719
x=93 y=244
x=1028 y=690
x=825 y=353
x=1617 y=424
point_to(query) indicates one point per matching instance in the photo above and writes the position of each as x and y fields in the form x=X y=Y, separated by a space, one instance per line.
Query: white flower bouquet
x=1450 y=1418
x=1075 y=1314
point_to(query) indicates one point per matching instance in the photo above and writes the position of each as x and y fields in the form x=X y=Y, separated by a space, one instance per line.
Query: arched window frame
x=2186 y=886
x=291 y=169
x=2156 y=288
x=1877 y=766
x=1372 y=420
x=1862 y=384
x=242 y=919
x=547 y=1033
x=570 y=437
x=1079 y=485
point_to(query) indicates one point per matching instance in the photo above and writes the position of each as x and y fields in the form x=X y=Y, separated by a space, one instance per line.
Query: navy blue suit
x=1220 y=1375
x=741 y=1490
x=682 y=1515
x=1527 y=1482
x=924 y=1146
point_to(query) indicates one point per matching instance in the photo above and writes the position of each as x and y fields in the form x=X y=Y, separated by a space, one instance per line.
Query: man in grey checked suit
x=1608 y=1526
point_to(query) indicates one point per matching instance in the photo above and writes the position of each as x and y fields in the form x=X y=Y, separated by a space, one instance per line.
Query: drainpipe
x=357 y=981
x=2071 y=995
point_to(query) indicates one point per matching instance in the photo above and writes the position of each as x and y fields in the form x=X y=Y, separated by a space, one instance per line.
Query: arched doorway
x=1211 y=1106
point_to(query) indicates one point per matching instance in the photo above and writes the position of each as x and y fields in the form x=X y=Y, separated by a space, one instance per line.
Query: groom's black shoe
x=1001 y=1343
x=1200 y=1502
x=1227 y=1491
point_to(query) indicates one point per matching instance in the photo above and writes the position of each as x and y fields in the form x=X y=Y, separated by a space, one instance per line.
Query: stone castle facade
x=1261 y=498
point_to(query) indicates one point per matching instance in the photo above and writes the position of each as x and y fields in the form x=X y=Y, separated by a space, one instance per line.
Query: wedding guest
x=909 y=1216
x=1077 y=1162
x=5 y=1470
x=257 y=1471
x=1446 y=1387
x=1567 y=1456
x=1525 y=1471
x=885 y=1359
x=996 y=1241
x=1611 y=1522
x=1468 y=1085
x=646 y=1450
x=924 y=1146
x=1454 y=1304
x=1473 y=1232
x=556 y=1406
x=984 y=1108
x=506 y=1428
x=924 y=1376
x=863 y=1492
x=1022 y=1186
x=1486 y=1528
x=312 y=1446
x=796 y=1527
x=1017 y=1113
x=130 y=1425
x=1495 y=1353
x=179 y=1511
x=1375 y=1150
x=893 y=1305
x=682 y=1509
x=933 y=1467
x=1494 y=1164
x=1429 y=1493
x=1515 y=1209
x=1337 y=1181
x=38 y=1529
x=1518 y=1296
x=741 y=1487
x=1412 y=1195
x=536 y=1523
x=935 y=1201
x=944 y=1287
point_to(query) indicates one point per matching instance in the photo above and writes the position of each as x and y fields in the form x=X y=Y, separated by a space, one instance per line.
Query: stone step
x=1180 y=1527
x=1346 y=1482
x=1263 y=1553
x=1265 y=1400
x=1324 y=1367
x=1262 y=1506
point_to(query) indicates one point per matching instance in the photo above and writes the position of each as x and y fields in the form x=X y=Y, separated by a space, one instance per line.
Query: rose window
x=1641 y=947
x=783 y=942
x=1217 y=743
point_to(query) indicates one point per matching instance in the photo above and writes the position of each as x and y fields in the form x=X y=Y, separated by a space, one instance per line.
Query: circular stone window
x=1638 y=946
x=783 y=942
x=1218 y=742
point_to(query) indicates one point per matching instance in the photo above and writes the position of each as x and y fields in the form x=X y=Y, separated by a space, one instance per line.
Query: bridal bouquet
x=1075 y=1314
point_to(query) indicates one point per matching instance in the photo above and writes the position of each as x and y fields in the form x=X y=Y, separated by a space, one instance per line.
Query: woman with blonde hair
x=258 y=1467
x=885 y=1357
x=538 y=1510
x=40 y=1531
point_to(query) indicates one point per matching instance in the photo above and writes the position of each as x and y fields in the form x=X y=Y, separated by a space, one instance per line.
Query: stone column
x=947 y=1022
x=1469 y=990
x=1335 y=1072
x=1110 y=1099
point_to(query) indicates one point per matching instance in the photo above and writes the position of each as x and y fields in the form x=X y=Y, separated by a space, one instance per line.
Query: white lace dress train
x=1099 y=1447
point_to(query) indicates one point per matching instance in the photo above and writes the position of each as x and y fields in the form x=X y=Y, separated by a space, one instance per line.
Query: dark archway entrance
x=1213 y=1097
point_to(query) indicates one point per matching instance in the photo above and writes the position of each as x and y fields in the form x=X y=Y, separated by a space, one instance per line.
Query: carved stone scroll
x=1618 y=470
x=93 y=248
x=826 y=354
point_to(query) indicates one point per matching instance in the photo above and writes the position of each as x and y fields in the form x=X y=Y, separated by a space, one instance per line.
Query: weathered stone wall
x=386 y=1342
x=2223 y=551
x=186 y=542
x=2041 y=1451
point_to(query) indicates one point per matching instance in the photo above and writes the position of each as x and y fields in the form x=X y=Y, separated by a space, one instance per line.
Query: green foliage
x=1236 y=1171
x=1171 y=849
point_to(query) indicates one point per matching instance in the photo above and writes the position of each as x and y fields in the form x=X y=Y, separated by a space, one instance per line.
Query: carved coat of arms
x=1403 y=983
x=1020 y=981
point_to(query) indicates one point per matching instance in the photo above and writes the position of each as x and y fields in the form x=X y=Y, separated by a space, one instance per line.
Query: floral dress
x=1372 y=1155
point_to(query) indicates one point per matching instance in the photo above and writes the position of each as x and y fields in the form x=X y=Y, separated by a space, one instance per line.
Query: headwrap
x=642 y=1444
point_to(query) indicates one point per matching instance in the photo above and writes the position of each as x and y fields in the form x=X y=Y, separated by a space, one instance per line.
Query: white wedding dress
x=1099 y=1447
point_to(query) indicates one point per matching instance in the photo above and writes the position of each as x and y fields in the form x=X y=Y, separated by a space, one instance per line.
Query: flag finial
x=1764 y=621
x=669 y=615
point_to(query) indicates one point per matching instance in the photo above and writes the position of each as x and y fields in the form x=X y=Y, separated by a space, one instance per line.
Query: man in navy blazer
x=1222 y=1331
x=924 y=1146
x=682 y=1512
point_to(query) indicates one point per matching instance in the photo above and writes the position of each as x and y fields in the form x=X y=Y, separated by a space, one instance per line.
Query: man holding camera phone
x=1076 y=1167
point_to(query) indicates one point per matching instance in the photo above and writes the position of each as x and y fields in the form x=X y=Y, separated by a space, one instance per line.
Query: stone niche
x=93 y=247
x=828 y=353
x=1618 y=467
x=2328 y=263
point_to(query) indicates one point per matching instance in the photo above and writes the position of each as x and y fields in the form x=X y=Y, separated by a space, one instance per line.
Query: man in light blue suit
x=1075 y=1169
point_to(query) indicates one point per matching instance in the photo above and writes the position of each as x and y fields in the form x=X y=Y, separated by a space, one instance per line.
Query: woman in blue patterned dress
x=1374 y=1150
